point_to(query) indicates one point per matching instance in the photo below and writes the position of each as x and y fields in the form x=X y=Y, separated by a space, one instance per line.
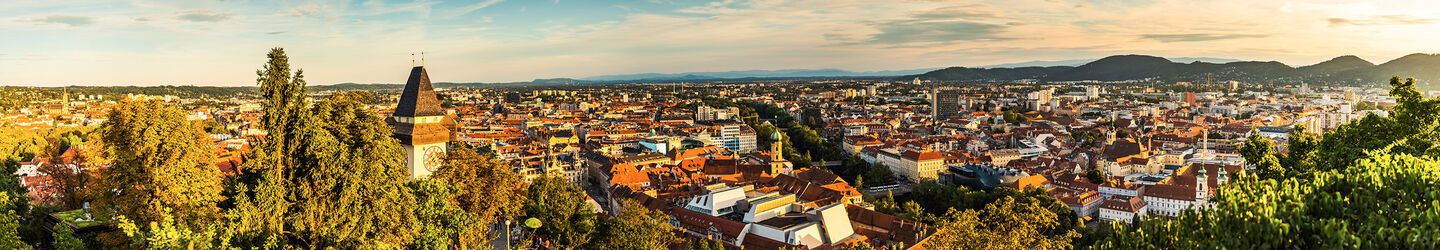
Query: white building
x=720 y=200
x=1122 y=208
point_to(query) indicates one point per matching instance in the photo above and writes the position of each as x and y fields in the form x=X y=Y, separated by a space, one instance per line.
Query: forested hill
x=1344 y=70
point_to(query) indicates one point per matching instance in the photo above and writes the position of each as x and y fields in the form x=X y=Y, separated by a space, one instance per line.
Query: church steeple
x=776 y=154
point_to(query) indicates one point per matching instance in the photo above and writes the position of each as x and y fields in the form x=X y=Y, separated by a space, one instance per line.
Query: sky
x=223 y=42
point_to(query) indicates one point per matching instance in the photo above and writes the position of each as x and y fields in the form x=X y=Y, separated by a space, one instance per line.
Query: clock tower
x=421 y=125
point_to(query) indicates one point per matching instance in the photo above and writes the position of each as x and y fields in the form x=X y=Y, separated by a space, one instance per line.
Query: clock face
x=433 y=160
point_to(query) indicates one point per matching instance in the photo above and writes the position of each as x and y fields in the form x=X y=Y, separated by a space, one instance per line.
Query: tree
x=326 y=175
x=442 y=223
x=160 y=162
x=1256 y=147
x=880 y=175
x=166 y=233
x=1369 y=184
x=1095 y=176
x=860 y=181
x=858 y=246
x=1385 y=201
x=1004 y=224
x=65 y=238
x=260 y=192
x=561 y=208
x=484 y=186
x=348 y=161
x=636 y=227
x=9 y=224
x=70 y=174
x=1302 y=154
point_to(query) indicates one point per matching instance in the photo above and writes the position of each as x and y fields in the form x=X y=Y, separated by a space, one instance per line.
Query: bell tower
x=421 y=125
x=776 y=154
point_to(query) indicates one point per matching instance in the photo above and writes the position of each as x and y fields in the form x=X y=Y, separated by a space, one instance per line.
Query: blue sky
x=210 y=42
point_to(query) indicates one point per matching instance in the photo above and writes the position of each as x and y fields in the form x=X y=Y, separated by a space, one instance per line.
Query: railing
x=884 y=188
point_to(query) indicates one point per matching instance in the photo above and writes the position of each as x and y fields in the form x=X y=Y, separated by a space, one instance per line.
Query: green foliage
x=1369 y=184
x=1385 y=201
x=1013 y=117
x=34 y=228
x=1003 y=224
x=636 y=227
x=700 y=244
x=567 y=219
x=167 y=233
x=65 y=238
x=10 y=186
x=1095 y=176
x=857 y=246
x=9 y=224
x=159 y=161
x=347 y=161
x=327 y=175
x=260 y=194
x=442 y=223
x=214 y=127
x=484 y=186
x=1256 y=147
x=930 y=198
x=880 y=175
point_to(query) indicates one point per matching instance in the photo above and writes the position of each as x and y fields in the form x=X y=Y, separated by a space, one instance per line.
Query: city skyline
x=146 y=43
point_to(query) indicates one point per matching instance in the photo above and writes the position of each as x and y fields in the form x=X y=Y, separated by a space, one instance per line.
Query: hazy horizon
x=222 y=43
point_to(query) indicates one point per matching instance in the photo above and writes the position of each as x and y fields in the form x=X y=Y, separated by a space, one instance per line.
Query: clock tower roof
x=418 y=98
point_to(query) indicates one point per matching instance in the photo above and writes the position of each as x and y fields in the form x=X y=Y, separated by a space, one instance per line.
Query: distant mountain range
x=1340 y=70
x=1079 y=62
x=813 y=73
x=1343 y=70
x=788 y=73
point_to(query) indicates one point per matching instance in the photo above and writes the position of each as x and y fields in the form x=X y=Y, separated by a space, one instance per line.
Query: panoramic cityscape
x=736 y=124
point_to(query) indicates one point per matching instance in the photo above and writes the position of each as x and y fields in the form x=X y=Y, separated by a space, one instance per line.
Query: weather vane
x=422 y=58
x=412 y=59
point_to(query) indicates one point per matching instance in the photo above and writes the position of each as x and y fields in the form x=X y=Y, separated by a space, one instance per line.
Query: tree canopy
x=568 y=220
x=1369 y=184
x=162 y=165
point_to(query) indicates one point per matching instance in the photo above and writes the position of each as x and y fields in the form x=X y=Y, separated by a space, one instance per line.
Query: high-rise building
x=421 y=125
x=1092 y=92
x=512 y=97
x=707 y=113
x=1190 y=98
x=944 y=103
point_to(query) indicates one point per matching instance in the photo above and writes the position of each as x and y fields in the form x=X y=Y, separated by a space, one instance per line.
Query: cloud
x=302 y=11
x=935 y=31
x=1197 y=37
x=953 y=23
x=969 y=11
x=203 y=16
x=476 y=6
x=71 y=20
x=275 y=32
x=1381 y=20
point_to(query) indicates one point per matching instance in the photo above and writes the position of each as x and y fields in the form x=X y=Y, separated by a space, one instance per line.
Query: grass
x=68 y=217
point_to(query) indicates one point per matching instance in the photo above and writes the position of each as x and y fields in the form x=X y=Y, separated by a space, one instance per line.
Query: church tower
x=776 y=155
x=421 y=125
x=778 y=164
